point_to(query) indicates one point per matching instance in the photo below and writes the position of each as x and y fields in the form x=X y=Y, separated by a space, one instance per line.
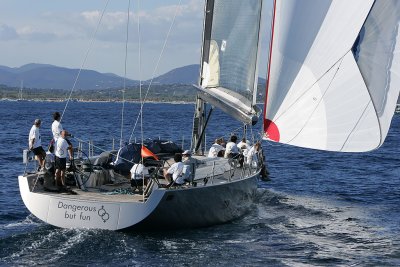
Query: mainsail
x=333 y=78
x=229 y=59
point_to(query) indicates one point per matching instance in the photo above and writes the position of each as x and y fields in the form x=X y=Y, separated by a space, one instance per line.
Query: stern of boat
x=94 y=211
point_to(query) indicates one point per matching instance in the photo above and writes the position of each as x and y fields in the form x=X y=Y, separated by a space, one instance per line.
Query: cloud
x=110 y=21
x=7 y=33
x=154 y=23
x=28 y=33
x=71 y=31
x=191 y=10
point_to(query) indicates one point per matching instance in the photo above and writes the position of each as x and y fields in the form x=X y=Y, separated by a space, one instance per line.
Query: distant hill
x=44 y=76
x=184 y=75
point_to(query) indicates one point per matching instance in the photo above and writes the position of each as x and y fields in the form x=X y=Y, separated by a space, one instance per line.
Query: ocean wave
x=326 y=226
x=48 y=246
x=30 y=220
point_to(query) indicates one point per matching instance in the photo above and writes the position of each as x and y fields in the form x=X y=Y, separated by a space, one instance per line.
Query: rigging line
x=140 y=76
x=157 y=65
x=86 y=56
x=232 y=132
x=140 y=90
x=235 y=130
x=99 y=148
x=125 y=71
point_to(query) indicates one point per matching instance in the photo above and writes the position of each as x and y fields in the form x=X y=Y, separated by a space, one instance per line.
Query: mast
x=198 y=127
x=198 y=135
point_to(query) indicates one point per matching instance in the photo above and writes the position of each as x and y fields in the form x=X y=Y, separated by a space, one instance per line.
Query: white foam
x=333 y=229
x=29 y=220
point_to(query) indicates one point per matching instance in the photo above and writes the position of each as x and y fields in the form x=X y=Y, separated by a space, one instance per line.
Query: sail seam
x=308 y=89
x=322 y=97
x=355 y=126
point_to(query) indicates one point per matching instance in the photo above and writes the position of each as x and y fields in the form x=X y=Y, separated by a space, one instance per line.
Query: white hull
x=172 y=208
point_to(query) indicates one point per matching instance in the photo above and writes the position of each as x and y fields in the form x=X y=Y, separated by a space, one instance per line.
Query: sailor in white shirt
x=35 y=143
x=244 y=143
x=56 y=126
x=139 y=174
x=244 y=147
x=252 y=156
x=62 y=148
x=174 y=173
x=215 y=149
x=231 y=149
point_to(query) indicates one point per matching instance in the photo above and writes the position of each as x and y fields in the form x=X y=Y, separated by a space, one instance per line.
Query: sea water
x=319 y=209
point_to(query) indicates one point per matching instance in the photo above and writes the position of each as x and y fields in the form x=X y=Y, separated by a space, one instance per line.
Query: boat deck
x=210 y=172
x=99 y=194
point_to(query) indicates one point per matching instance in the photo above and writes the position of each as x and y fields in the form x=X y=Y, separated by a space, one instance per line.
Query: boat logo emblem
x=103 y=214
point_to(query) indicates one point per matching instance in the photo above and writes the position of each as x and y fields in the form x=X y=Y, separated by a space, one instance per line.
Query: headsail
x=229 y=59
x=333 y=77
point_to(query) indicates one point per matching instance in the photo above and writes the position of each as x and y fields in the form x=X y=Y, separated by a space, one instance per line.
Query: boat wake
x=319 y=231
x=30 y=220
x=15 y=227
x=45 y=246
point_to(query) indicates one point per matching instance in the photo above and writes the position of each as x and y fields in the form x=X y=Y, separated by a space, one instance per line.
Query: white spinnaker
x=317 y=96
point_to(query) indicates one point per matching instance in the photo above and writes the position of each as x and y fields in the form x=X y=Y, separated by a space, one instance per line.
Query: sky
x=60 y=32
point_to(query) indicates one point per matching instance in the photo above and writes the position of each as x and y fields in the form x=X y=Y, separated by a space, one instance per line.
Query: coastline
x=96 y=101
x=104 y=101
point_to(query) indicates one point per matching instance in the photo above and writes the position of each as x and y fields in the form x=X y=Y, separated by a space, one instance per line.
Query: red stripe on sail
x=271 y=130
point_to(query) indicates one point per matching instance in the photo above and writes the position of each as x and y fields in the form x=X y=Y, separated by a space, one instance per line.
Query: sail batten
x=333 y=73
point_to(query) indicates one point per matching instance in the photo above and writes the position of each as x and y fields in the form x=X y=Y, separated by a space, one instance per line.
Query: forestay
x=333 y=76
x=229 y=59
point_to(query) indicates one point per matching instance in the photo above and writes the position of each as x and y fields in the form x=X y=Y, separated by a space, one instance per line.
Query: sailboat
x=20 y=98
x=223 y=189
x=332 y=85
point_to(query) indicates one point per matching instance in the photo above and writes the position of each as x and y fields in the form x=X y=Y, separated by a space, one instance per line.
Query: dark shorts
x=233 y=155
x=138 y=182
x=39 y=151
x=61 y=163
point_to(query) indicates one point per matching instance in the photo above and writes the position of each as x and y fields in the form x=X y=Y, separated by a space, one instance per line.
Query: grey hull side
x=201 y=206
